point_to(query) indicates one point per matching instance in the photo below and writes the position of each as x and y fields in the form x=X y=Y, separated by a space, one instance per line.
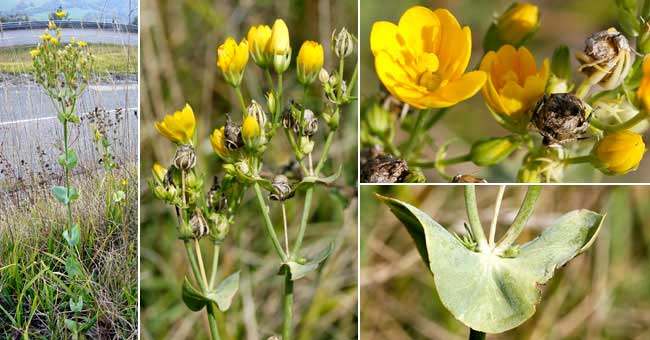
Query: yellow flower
x=643 y=93
x=179 y=127
x=280 y=43
x=60 y=14
x=619 y=152
x=45 y=36
x=159 y=173
x=250 y=128
x=259 y=38
x=35 y=52
x=81 y=43
x=514 y=82
x=422 y=59
x=232 y=60
x=218 y=144
x=54 y=40
x=310 y=61
x=518 y=22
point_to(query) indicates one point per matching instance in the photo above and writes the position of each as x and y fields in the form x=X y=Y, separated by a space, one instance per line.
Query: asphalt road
x=31 y=37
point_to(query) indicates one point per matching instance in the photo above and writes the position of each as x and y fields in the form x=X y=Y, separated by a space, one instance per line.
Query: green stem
x=215 y=265
x=415 y=133
x=444 y=162
x=268 y=224
x=212 y=320
x=577 y=160
x=288 y=306
x=241 y=101
x=269 y=79
x=476 y=335
x=583 y=89
x=353 y=81
x=474 y=220
x=517 y=226
x=194 y=265
x=340 y=89
x=67 y=173
x=638 y=118
x=303 y=221
x=326 y=150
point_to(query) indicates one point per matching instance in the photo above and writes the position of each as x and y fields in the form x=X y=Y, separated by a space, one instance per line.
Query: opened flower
x=619 y=152
x=643 y=93
x=179 y=127
x=517 y=23
x=310 y=61
x=61 y=14
x=232 y=60
x=217 y=140
x=159 y=172
x=259 y=38
x=514 y=82
x=422 y=59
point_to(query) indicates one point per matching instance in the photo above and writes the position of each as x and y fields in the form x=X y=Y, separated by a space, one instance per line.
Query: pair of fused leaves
x=486 y=292
x=298 y=269
x=222 y=295
x=63 y=195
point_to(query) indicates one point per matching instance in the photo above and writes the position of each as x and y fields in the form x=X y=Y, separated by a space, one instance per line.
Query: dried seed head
x=560 y=117
x=282 y=188
x=215 y=199
x=185 y=157
x=287 y=119
x=378 y=167
x=607 y=58
x=232 y=135
x=309 y=123
x=199 y=225
x=343 y=43
x=256 y=111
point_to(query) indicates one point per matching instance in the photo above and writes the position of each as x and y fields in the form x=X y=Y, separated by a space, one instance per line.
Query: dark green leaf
x=193 y=299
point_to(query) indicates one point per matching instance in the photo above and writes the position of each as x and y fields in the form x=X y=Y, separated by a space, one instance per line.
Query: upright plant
x=242 y=146
x=500 y=280
x=63 y=71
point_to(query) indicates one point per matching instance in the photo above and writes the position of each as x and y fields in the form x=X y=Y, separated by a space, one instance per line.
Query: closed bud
x=259 y=38
x=232 y=59
x=219 y=227
x=199 y=225
x=529 y=175
x=271 y=103
x=280 y=46
x=323 y=76
x=380 y=121
x=606 y=59
x=159 y=173
x=250 y=132
x=309 y=62
x=518 y=23
x=217 y=140
x=560 y=117
x=643 y=40
x=185 y=157
x=281 y=188
x=343 y=43
x=561 y=63
x=618 y=153
x=492 y=151
x=306 y=145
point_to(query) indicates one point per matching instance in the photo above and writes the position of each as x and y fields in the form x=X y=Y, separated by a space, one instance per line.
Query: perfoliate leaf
x=78 y=305
x=193 y=299
x=68 y=160
x=72 y=267
x=224 y=293
x=72 y=236
x=61 y=194
x=299 y=270
x=487 y=292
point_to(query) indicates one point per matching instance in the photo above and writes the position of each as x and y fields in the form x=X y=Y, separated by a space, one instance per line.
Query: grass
x=35 y=282
x=108 y=59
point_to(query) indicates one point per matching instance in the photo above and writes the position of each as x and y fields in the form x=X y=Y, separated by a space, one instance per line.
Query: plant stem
x=415 y=133
x=67 y=173
x=340 y=89
x=199 y=256
x=326 y=150
x=638 y=118
x=444 y=162
x=476 y=335
x=583 y=89
x=474 y=220
x=495 y=216
x=286 y=233
x=193 y=264
x=268 y=224
x=303 y=221
x=524 y=213
x=353 y=81
x=212 y=320
x=215 y=265
x=288 y=306
x=241 y=101
x=577 y=160
x=267 y=72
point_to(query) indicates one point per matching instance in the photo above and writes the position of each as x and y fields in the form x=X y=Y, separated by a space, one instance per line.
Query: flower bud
x=306 y=145
x=281 y=188
x=232 y=60
x=607 y=59
x=309 y=62
x=199 y=225
x=259 y=38
x=185 y=157
x=380 y=121
x=529 y=175
x=219 y=227
x=518 y=23
x=643 y=93
x=250 y=132
x=242 y=167
x=343 y=43
x=492 y=151
x=271 y=103
x=159 y=172
x=217 y=140
x=618 y=153
x=643 y=40
x=232 y=135
x=323 y=76
x=280 y=46
x=560 y=117
x=309 y=123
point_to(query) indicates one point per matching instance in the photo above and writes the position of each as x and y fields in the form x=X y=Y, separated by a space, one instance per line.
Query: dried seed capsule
x=232 y=135
x=467 y=179
x=256 y=111
x=282 y=188
x=378 y=167
x=309 y=123
x=607 y=58
x=199 y=225
x=215 y=198
x=343 y=43
x=287 y=119
x=560 y=117
x=185 y=157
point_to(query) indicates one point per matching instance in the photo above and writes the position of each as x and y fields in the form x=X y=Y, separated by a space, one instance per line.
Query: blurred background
x=178 y=63
x=602 y=294
x=562 y=22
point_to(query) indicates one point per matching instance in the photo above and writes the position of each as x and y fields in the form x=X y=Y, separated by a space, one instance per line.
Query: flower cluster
x=552 y=120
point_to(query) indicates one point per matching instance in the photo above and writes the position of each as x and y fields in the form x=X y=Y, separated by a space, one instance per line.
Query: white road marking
x=50 y=117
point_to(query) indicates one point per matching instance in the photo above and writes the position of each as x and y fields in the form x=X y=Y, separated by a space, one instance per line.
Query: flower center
x=427 y=65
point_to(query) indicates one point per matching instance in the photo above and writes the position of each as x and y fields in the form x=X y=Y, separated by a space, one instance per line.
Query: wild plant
x=242 y=147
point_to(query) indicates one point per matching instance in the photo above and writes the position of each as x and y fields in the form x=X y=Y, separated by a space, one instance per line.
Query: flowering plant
x=552 y=122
